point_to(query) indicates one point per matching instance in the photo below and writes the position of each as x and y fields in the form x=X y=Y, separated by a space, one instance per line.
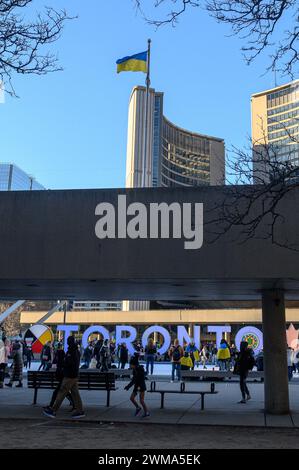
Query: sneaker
x=49 y=412
x=171 y=381
x=78 y=415
x=20 y=385
x=145 y=415
x=137 y=411
x=248 y=397
x=242 y=401
x=8 y=385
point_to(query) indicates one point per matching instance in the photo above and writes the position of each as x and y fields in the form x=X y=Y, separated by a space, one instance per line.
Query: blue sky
x=69 y=129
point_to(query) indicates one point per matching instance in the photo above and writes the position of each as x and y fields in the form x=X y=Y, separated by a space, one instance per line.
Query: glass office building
x=275 y=126
x=12 y=178
x=174 y=156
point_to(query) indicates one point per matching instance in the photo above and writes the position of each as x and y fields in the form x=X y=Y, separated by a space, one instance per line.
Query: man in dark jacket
x=69 y=383
x=244 y=364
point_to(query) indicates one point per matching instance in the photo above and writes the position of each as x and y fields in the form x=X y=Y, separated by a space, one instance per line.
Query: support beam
x=11 y=310
x=51 y=312
x=275 y=353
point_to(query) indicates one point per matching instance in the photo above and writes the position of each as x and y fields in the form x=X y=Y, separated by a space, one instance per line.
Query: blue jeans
x=290 y=372
x=150 y=360
x=176 y=367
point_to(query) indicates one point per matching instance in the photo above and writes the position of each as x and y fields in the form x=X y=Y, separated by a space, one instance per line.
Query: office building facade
x=12 y=178
x=275 y=129
x=174 y=156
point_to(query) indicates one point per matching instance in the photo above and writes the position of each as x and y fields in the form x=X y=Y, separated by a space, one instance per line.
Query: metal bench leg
x=108 y=398
x=35 y=396
x=162 y=399
x=202 y=401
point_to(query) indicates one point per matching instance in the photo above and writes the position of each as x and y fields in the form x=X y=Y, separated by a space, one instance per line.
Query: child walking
x=138 y=380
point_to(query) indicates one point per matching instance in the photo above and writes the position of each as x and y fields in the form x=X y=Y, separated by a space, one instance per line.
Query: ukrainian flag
x=133 y=63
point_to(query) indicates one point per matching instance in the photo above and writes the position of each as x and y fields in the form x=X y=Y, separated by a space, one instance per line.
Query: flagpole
x=148 y=82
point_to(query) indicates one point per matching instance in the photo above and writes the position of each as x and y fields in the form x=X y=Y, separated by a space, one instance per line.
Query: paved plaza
x=221 y=409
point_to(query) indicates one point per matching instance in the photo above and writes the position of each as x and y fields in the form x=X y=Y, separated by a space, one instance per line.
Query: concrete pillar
x=276 y=384
x=190 y=330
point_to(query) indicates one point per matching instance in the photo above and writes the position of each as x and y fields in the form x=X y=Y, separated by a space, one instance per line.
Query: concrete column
x=190 y=330
x=276 y=384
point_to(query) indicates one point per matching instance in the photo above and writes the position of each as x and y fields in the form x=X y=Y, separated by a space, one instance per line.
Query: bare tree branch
x=22 y=42
x=257 y=22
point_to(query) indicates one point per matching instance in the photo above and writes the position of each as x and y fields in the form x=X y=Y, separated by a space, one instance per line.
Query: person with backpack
x=244 y=363
x=176 y=352
x=69 y=383
x=138 y=380
x=150 y=354
x=193 y=352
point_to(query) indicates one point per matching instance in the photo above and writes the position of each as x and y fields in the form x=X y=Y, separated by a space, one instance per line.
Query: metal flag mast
x=146 y=120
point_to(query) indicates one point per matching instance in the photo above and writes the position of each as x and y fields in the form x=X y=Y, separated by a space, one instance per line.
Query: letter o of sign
x=94 y=329
x=162 y=331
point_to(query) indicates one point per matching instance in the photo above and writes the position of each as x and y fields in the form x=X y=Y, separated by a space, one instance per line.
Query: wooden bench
x=91 y=380
x=183 y=390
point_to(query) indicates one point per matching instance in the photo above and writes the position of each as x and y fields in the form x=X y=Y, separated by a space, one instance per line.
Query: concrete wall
x=48 y=249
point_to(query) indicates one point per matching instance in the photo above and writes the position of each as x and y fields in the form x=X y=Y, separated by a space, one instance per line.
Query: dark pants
x=243 y=385
x=290 y=372
x=150 y=360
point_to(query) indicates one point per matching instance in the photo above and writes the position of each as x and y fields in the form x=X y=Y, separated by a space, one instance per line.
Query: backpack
x=176 y=354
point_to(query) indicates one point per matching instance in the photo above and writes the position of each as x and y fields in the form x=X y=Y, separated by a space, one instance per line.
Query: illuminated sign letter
x=252 y=335
x=162 y=331
x=68 y=329
x=218 y=330
x=94 y=329
x=119 y=338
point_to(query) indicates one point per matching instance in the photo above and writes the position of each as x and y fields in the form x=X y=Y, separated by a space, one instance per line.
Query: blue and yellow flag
x=133 y=63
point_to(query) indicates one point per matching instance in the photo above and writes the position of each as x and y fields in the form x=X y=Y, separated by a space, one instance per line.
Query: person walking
x=69 y=383
x=150 y=354
x=138 y=380
x=4 y=352
x=46 y=357
x=223 y=355
x=58 y=361
x=193 y=352
x=204 y=355
x=87 y=356
x=17 y=366
x=176 y=352
x=290 y=359
x=28 y=356
x=123 y=355
x=244 y=363
x=105 y=356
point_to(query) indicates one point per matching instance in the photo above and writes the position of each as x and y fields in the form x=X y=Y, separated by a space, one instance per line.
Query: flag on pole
x=133 y=63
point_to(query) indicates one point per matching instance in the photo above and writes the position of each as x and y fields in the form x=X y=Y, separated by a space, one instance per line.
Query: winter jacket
x=71 y=363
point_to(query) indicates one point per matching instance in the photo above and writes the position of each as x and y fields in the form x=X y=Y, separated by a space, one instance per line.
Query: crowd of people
x=105 y=355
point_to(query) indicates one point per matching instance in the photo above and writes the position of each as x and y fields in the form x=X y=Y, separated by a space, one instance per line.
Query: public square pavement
x=221 y=409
